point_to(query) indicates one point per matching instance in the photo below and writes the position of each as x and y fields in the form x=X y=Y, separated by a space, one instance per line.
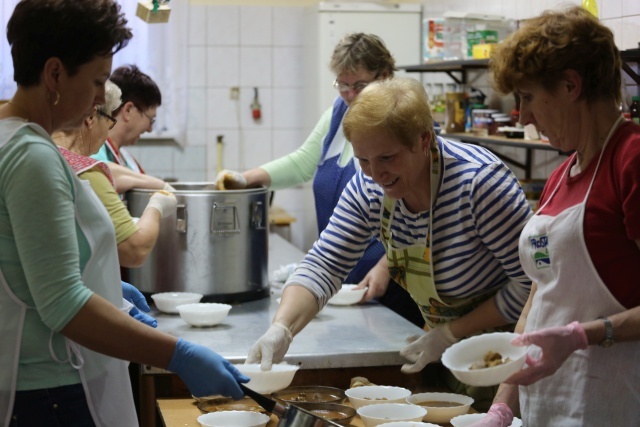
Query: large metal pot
x=214 y=244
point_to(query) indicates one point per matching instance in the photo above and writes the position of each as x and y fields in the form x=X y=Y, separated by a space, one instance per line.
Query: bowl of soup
x=441 y=407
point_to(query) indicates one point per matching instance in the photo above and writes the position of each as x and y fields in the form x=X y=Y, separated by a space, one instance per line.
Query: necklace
x=20 y=109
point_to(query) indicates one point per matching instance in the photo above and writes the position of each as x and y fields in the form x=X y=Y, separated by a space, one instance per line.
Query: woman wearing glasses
x=327 y=156
x=135 y=240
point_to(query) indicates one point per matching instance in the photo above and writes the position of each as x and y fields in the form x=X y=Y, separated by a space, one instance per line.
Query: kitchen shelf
x=527 y=145
x=454 y=66
x=631 y=56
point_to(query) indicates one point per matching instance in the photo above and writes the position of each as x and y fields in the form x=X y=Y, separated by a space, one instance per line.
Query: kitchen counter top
x=339 y=337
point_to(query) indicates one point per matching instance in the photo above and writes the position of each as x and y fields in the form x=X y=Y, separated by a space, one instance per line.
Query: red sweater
x=612 y=214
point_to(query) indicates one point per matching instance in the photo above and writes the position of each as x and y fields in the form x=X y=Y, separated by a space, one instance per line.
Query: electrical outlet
x=234 y=92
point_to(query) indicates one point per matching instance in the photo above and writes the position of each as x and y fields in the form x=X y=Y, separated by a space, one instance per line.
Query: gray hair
x=112 y=96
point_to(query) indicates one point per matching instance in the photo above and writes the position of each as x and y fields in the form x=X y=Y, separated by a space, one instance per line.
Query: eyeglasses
x=112 y=120
x=356 y=87
x=152 y=120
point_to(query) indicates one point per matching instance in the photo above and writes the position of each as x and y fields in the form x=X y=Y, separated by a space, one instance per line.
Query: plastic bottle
x=635 y=109
x=591 y=6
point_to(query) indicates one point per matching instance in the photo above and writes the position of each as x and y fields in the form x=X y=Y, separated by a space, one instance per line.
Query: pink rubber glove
x=499 y=415
x=557 y=344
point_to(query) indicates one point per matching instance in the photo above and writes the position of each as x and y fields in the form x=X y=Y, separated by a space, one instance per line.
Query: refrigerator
x=399 y=25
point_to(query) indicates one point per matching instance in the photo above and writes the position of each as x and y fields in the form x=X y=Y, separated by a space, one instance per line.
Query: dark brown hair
x=76 y=31
x=545 y=46
x=362 y=50
x=136 y=87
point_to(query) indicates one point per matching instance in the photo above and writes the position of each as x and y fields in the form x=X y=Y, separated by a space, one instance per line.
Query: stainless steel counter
x=339 y=337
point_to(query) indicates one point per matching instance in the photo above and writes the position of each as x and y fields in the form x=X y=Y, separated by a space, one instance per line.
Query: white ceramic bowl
x=378 y=394
x=408 y=424
x=347 y=295
x=374 y=415
x=169 y=301
x=460 y=356
x=278 y=378
x=437 y=413
x=468 y=419
x=203 y=313
x=233 y=419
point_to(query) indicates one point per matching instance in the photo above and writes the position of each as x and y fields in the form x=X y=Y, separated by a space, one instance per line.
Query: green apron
x=412 y=268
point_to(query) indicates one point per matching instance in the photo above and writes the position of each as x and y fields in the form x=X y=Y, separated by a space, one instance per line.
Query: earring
x=425 y=151
x=57 y=99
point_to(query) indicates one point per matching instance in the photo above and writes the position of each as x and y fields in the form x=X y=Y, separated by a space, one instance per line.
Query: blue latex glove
x=205 y=372
x=135 y=297
x=142 y=317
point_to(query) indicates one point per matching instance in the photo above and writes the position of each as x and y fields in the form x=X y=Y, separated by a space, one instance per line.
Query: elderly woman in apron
x=64 y=339
x=327 y=157
x=582 y=248
x=448 y=214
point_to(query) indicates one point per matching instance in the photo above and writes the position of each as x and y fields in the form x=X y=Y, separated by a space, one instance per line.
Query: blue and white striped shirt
x=479 y=213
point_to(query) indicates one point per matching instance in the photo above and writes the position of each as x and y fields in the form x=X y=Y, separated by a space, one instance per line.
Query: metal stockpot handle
x=224 y=219
x=258 y=216
x=182 y=217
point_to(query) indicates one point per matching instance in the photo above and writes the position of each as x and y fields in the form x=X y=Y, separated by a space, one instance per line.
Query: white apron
x=105 y=379
x=594 y=387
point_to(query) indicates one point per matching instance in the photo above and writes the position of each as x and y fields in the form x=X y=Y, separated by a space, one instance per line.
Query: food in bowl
x=462 y=355
x=233 y=419
x=203 y=313
x=490 y=359
x=264 y=382
x=374 y=415
x=313 y=394
x=347 y=295
x=341 y=414
x=167 y=302
x=441 y=407
x=369 y=394
x=217 y=405
x=468 y=419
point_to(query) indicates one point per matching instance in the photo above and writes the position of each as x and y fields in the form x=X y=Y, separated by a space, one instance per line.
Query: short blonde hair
x=113 y=98
x=558 y=40
x=397 y=106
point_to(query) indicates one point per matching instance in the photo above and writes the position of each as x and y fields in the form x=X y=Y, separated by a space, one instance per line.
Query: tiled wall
x=253 y=46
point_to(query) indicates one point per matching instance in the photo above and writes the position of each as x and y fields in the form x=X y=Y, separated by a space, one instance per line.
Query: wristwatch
x=608 y=333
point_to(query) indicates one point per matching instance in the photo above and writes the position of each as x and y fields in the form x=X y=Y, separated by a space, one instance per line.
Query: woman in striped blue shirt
x=449 y=215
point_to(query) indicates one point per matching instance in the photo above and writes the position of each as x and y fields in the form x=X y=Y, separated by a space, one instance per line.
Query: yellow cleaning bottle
x=591 y=6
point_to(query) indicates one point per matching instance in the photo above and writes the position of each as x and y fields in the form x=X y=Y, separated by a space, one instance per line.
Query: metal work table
x=342 y=339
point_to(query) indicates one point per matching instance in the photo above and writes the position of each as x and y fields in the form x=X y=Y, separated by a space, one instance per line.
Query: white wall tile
x=288 y=67
x=255 y=26
x=255 y=66
x=197 y=66
x=630 y=32
x=223 y=26
x=221 y=111
x=288 y=26
x=630 y=7
x=197 y=115
x=223 y=67
x=610 y=9
x=255 y=148
x=190 y=158
x=158 y=159
x=229 y=151
x=286 y=141
x=287 y=108
x=197 y=25
x=196 y=137
x=615 y=25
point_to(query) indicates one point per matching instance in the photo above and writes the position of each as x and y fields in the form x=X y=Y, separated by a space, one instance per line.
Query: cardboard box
x=480 y=37
x=433 y=41
x=145 y=12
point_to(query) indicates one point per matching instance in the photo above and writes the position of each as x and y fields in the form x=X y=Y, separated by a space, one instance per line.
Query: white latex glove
x=230 y=180
x=499 y=415
x=271 y=347
x=427 y=348
x=168 y=187
x=164 y=202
